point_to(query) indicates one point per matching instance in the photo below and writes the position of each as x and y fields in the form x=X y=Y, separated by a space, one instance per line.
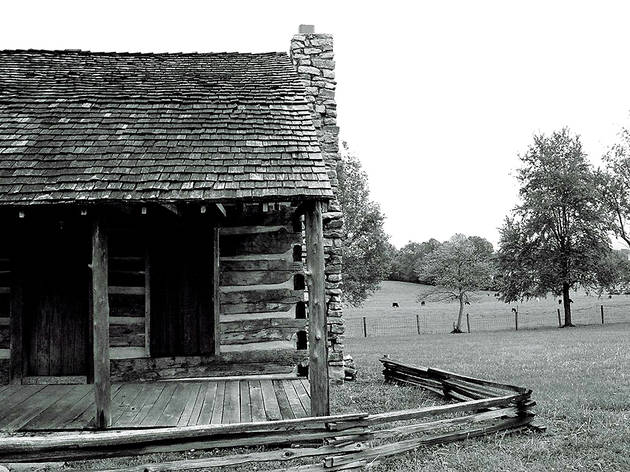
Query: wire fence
x=433 y=323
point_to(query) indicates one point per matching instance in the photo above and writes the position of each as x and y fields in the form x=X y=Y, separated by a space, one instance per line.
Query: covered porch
x=155 y=404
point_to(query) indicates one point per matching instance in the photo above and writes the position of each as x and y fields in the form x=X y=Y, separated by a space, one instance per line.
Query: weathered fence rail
x=391 y=324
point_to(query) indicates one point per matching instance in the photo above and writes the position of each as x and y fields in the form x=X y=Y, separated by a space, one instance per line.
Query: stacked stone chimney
x=312 y=55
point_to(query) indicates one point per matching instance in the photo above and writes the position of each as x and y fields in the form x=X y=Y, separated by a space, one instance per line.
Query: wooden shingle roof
x=82 y=126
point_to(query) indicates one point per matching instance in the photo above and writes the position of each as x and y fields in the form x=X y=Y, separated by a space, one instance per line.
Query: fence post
x=516 y=319
x=601 y=307
x=364 y=328
x=559 y=319
x=468 y=322
x=418 y=323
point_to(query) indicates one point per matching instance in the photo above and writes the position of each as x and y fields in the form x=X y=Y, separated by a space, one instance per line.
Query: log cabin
x=169 y=216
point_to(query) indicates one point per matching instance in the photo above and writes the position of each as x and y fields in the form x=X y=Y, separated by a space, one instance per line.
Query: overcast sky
x=437 y=99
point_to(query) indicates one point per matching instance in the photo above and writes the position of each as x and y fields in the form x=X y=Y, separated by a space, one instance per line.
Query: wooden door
x=56 y=298
x=181 y=288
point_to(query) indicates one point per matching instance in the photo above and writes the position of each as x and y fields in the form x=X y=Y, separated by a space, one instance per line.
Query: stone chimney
x=312 y=54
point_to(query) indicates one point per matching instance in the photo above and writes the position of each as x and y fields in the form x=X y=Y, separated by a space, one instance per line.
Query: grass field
x=486 y=313
x=580 y=377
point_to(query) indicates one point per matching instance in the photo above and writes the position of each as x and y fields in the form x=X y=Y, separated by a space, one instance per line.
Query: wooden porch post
x=216 y=302
x=100 y=326
x=16 y=308
x=318 y=344
x=16 y=366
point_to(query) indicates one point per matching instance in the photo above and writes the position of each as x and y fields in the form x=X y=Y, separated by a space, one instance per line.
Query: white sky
x=436 y=98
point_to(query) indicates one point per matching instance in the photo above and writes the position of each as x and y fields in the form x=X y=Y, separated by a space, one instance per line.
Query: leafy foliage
x=366 y=249
x=614 y=185
x=458 y=267
x=557 y=237
x=406 y=260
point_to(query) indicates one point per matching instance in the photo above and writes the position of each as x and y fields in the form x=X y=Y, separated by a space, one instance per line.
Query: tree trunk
x=458 y=327
x=567 y=305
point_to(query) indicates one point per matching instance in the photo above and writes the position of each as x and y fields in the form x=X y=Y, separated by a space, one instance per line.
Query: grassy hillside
x=579 y=378
x=486 y=313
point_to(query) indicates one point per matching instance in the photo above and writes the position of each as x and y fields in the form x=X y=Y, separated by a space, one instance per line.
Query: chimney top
x=307 y=29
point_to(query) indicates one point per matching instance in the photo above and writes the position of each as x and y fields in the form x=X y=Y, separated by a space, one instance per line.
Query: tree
x=459 y=267
x=556 y=238
x=407 y=259
x=614 y=185
x=366 y=248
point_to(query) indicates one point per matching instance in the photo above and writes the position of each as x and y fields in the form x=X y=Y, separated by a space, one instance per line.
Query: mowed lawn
x=486 y=312
x=580 y=378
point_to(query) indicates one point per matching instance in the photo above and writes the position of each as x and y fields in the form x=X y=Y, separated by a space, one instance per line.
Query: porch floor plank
x=294 y=400
x=132 y=410
x=283 y=401
x=246 y=412
x=38 y=405
x=189 y=405
x=217 y=412
x=160 y=404
x=158 y=407
x=272 y=409
x=85 y=420
x=205 y=415
x=174 y=408
x=54 y=415
x=232 y=403
x=303 y=395
x=256 y=401
x=17 y=394
x=147 y=403
x=199 y=399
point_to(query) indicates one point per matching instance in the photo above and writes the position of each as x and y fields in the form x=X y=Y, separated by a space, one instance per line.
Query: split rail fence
x=343 y=442
x=428 y=323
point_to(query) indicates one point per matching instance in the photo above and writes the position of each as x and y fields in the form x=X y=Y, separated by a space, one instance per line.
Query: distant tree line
x=557 y=239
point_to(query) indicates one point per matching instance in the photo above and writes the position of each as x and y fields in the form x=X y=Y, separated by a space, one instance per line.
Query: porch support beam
x=16 y=369
x=216 y=302
x=100 y=326
x=317 y=333
x=16 y=308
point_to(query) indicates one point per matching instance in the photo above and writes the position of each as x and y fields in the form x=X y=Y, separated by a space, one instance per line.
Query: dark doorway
x=182 y=320
x=56 y=253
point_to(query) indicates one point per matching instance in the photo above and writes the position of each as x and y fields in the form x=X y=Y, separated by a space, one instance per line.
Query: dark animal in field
x=422 y=303
x=467 y=303
x=395 y=305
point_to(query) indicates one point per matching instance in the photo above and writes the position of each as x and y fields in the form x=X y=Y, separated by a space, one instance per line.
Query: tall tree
x=615 y=186
x=556 y=238
x=459 y=267
x=366 y=249
x=407 y=258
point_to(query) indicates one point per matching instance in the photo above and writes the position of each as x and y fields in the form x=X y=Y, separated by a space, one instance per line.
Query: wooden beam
x=221 y=209
x=100 y=325
x=147 y=302
x=16 y=312
x=216 y=300
x=318 y=345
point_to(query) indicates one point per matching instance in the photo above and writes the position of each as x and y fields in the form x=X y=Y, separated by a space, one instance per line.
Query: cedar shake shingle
x=164 y=127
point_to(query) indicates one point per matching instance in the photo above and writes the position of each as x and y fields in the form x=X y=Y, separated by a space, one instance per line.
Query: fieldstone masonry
x=312 y=55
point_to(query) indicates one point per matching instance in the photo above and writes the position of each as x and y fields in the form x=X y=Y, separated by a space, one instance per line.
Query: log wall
x=262 y=304
x=127 y=294
x=261 y=289
x=5 y=300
